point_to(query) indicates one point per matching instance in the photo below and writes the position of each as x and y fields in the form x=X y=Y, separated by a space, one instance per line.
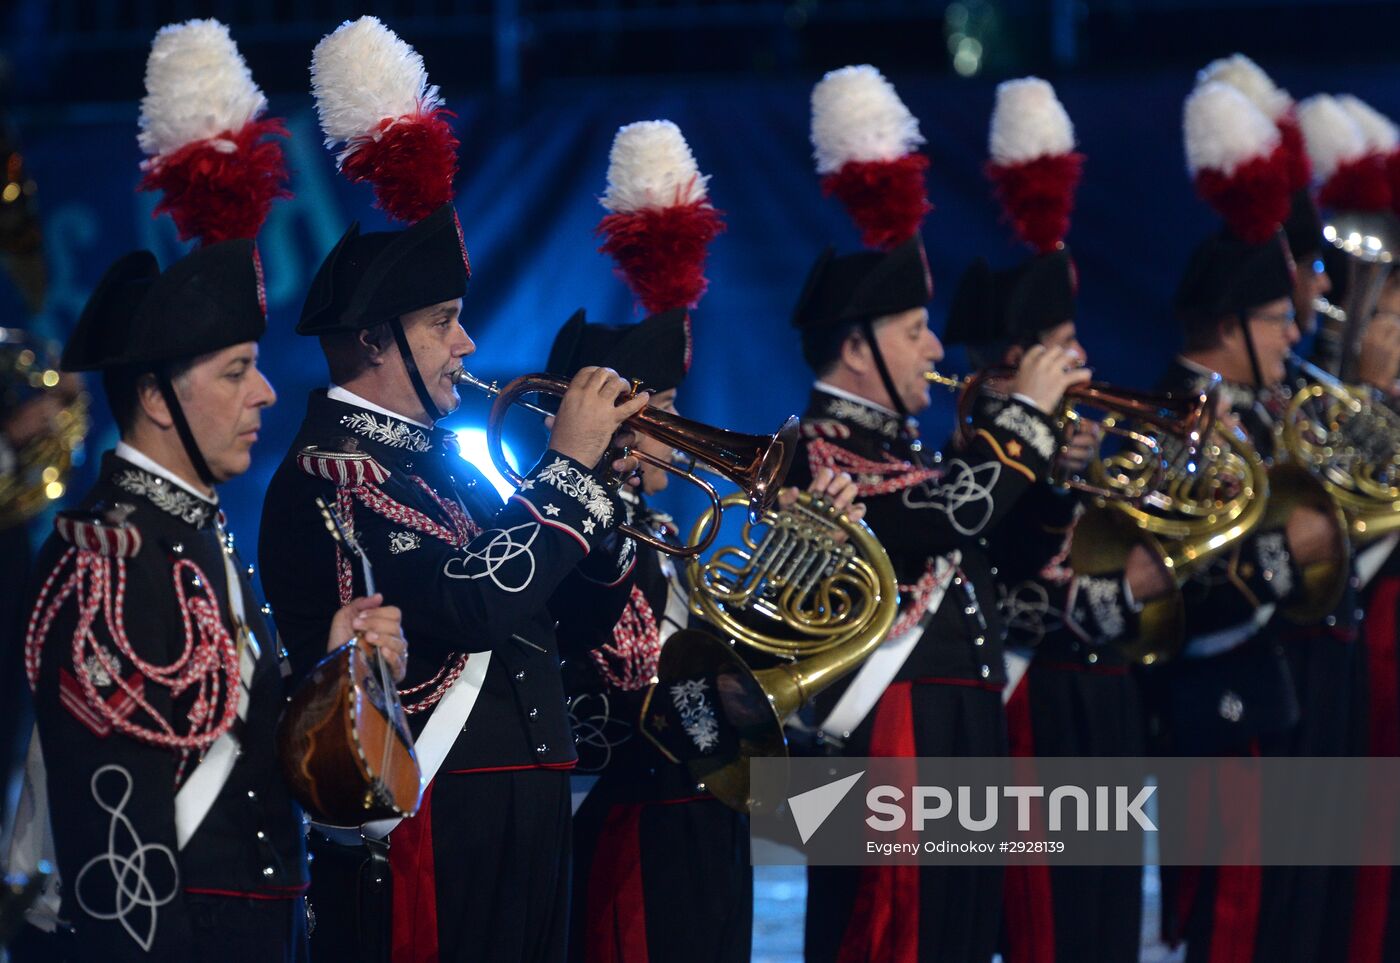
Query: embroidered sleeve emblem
x=697 y=712
x=1030 y=429
x=503 y=555
x=964 y=494
x=585 y=488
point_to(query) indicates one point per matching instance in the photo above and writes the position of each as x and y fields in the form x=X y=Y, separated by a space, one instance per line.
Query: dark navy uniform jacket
x=471 y=574
x=134 y=649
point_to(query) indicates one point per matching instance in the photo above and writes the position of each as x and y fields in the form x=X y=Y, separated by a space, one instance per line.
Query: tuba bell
x=806 y=587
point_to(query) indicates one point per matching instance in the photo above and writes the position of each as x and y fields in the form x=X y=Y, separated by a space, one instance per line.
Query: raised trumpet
x=1159 y=432
x=756 y=463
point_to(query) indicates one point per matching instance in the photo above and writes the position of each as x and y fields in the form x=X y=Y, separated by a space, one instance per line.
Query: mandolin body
x=345 y=749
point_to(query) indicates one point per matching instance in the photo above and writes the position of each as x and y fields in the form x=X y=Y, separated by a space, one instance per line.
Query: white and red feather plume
x=1236 y=158
x=1277 y=104
x=1351 y=173
x=866 y=144
x=386 y=123
x=212 y=156
x=1034 y=168
x=660 y=221
x=1382 y=138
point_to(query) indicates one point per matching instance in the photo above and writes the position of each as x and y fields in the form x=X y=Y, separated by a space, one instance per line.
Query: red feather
x=886 y=199
x=660 y=251
x=1392 y=173
x=1038 y=197
x=1254 y=201
x=1359 y=185
x=216 y=194
x=411 y=162
x=1299 y=166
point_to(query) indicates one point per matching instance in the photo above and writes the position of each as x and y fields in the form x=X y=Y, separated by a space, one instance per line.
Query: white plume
x=1382 y=136
x=197 y=86
x=1028 y=121
x=1331 y=136
x=650 y=165
x=362 y=74
x=1223 y=129
x=857 y=116
x=1250 y=79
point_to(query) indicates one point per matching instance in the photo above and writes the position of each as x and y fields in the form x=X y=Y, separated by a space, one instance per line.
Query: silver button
x=519 y=675
x=1093 y=657
x=970 y=610
x=261 y=834
x=197 y=582
x=534 y=713
x=986 y=671
x=1331 y=620
x=266 y=610
x=268 y=871
x=542 y=748
x=980 y=640
x=994 y=570
x=252 y=795
x=178 y=548
x=250 y=571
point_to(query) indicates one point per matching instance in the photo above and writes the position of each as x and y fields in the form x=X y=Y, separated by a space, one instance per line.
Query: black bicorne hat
x=859 y=287
x=1304 y=226
x=1015 y=305
x=1229 y=277
x=368 y=279
x=655 y=352
x=140 y=317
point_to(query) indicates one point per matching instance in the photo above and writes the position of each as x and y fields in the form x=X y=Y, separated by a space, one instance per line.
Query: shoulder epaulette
x=101 y=529
x=825 y=428
x=347 y=469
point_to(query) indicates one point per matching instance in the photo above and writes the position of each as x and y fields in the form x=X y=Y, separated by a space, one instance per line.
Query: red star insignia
x=1013 y=448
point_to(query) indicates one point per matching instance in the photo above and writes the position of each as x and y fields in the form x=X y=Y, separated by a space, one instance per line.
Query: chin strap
x=867 y=328
x=182 y=426
x=414 y=378
x=1253 y=357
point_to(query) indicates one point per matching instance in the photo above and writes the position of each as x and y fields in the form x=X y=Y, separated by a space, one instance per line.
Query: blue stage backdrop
x=533 y=167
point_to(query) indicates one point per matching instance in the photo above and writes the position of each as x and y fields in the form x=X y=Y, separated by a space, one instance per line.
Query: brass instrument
x=28 y=370
x=756 y=463
x=807 y=585
x=1370 y=243
x=1351 y=443
x=1142 y=421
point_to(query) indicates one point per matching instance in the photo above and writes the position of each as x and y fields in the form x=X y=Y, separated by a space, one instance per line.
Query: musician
x=864 y=329
x=156 y=677
x=482 y=871
x=1077 y=696
x=648 y=843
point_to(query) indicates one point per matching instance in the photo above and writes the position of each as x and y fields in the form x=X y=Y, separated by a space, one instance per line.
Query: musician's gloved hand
x=1045 y=374
x=379 y=625
x=590 y=415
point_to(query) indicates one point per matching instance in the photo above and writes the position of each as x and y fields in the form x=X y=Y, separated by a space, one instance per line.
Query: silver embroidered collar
x=169 y=498
x=387 y=431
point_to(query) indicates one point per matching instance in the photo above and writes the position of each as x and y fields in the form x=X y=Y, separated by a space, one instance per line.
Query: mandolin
x=343 y=740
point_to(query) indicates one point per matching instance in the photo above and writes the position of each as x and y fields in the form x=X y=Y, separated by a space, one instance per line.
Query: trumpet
x=756 y=463
x=1158 y=432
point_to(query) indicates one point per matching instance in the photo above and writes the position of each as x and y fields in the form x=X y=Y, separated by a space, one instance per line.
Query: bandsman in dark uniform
x=482 y=871
x=156 y=677
x=662 y=868
x=1074 y=694
x=1253 y=680
x=864 y=330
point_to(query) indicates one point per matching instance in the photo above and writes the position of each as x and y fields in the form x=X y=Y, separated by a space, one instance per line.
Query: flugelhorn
x=1157 y=432
x=807 y=587
x=756 y=463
